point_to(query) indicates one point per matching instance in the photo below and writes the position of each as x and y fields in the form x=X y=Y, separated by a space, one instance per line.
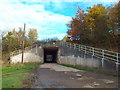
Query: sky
x=49 y=17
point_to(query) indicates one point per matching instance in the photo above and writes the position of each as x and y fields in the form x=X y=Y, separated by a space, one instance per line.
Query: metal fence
x=96 y=52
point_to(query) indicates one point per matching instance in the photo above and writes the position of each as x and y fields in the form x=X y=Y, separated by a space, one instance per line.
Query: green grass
x=14 y=80
x=19 y=68
x=13 y=76
x=91 y=70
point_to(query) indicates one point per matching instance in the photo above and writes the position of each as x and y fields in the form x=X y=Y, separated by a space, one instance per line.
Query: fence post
x=67 y=44
x=85 y=49
x=102 y=58
x=70 y=45
x=74 y=46
x=77 y=61
x=92 y=51
x=79 y=47
x=117 y=63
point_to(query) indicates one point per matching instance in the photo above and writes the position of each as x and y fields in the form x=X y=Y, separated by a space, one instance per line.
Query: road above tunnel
x=57 y=76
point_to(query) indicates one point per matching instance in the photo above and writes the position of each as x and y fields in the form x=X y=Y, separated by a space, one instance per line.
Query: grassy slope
x=91 y=70
x=13 y=76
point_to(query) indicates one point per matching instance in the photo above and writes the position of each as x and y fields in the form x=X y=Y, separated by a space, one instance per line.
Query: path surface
x=57 y=76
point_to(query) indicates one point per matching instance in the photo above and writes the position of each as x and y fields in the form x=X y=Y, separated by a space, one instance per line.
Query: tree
x=18 y=35
x=32 y=34
x=76 y=28
x=66 y=39
x=96 y=21
x=99 y=27
x=11 y=41
x=114 y=25
x=114 y=18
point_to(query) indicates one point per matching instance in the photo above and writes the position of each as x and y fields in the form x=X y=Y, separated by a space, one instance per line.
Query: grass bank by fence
x=91 y=70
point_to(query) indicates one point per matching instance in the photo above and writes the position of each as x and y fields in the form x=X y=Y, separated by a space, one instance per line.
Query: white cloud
x=68 y=0
x=35 y=16
x=59 y=36
x=13 y=14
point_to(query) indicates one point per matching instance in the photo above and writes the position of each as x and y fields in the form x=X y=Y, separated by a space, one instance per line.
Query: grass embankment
x=13 y=75
x=91 y=70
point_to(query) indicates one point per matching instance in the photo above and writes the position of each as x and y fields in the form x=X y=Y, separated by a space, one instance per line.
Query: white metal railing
x=97 y=52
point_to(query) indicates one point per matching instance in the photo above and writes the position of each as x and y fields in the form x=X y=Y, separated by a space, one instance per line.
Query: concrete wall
x=36 y=54
x=66 y=56
x=80 y=61
x=78 y=58
x=33 y=55
x=28 y=57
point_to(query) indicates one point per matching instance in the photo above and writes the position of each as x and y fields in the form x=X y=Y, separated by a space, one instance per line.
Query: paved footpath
x=57 y=76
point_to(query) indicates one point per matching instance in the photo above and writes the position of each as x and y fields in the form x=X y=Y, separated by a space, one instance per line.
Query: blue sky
x=49 y=17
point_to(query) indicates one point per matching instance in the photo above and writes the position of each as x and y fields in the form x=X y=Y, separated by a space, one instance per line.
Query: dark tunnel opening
x=50 y=55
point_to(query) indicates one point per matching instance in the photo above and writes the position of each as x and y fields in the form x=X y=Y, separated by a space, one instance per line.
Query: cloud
x=58 y=35
x=36 y=1
x=14 y=15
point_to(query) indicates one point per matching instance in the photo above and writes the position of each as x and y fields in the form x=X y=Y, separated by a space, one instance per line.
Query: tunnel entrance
x=50 y=55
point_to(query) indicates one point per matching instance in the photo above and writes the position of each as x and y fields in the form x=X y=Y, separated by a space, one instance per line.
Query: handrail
x=101 y=53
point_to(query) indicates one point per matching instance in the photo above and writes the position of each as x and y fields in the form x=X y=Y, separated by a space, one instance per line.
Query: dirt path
x=57 y=76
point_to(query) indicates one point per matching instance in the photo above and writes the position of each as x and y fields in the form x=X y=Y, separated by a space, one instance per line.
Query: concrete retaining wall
x=67 y=56
x=33 y=55
x=28 y=57
x=78 y=58
x=79 y=61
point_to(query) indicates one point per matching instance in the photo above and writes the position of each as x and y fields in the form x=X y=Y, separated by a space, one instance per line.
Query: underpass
x=52 y=75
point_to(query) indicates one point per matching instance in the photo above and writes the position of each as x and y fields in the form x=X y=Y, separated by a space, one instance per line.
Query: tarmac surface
x=57 y=76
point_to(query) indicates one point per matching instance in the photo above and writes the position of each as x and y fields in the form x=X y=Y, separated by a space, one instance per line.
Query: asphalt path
x=57 y=76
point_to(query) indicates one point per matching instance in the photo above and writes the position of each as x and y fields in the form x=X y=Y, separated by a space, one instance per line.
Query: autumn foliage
x=12 y=41
x=99 y=27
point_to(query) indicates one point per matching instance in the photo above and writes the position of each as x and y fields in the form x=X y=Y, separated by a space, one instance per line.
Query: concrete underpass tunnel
x=50 y=54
